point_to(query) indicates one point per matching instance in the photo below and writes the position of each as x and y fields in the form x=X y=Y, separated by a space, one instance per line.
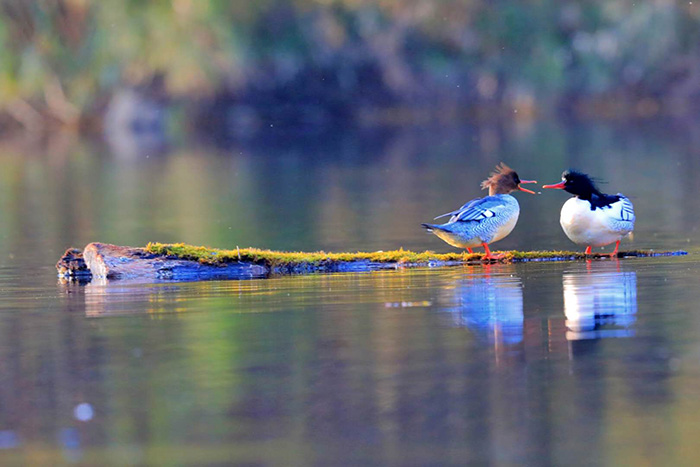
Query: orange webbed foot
x=490 y=256
x=493 y=257
x=614 y=253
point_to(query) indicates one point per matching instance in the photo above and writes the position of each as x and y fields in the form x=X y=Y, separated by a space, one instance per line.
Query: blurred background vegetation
x=235 y=67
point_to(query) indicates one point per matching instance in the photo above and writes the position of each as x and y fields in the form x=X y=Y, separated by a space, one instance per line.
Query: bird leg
x=490 y=255
x=614 y=253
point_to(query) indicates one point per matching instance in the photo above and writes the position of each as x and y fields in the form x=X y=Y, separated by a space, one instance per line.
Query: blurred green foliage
x=66 y=57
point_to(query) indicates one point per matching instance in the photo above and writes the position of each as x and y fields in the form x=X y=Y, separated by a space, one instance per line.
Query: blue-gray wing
x=457 y=211
x=479 y=210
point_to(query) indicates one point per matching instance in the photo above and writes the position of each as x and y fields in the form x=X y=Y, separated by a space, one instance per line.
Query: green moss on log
x=283 y=259
x=289 y=258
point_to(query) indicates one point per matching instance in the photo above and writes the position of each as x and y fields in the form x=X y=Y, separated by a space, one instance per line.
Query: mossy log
x=182 y=262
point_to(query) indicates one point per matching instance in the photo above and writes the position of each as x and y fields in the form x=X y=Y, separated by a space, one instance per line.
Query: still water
x=560 y=363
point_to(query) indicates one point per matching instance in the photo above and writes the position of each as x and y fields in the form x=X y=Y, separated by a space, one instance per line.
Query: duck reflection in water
x=491 y=306
x=600 y=302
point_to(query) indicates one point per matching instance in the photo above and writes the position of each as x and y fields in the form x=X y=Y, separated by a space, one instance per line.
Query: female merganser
x=484 y=220
x=593 y=218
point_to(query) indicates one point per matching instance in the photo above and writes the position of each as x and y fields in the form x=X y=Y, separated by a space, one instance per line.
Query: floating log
x=180 y=262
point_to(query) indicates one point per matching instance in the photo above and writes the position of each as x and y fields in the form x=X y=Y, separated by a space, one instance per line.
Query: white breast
x=507 y=228
x=596 y=228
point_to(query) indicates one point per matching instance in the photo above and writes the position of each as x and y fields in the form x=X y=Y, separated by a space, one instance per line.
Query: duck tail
x=431 y=227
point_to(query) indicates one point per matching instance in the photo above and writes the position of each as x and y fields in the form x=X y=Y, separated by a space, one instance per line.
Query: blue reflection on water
x=600 y=304
x=8 y=439
x=69 y=439
x=492 y=307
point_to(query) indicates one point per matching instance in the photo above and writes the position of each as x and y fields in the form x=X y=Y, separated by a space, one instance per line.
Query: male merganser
x=593 y=218
x=484 y=220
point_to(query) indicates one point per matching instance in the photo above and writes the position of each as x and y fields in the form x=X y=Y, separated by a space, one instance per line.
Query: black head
x=576 y=183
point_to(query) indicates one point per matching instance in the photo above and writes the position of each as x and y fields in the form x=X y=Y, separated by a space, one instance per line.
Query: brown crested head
x=503 y=181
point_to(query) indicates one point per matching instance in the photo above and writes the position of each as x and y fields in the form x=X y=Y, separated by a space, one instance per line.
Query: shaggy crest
x=502 y=180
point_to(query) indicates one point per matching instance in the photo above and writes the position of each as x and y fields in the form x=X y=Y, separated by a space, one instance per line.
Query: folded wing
x=478 y=210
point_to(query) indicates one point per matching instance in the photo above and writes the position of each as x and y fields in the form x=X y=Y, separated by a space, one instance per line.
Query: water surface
x=554 y=363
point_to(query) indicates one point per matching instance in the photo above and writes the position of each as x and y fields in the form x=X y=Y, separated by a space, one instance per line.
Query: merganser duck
x=484 y=220
x=593 y=218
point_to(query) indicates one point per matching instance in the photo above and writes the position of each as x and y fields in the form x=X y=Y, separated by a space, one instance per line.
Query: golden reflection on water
x=401 y=289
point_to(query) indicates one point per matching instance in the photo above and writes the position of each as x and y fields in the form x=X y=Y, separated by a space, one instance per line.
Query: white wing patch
x=621 y=210
x=627 y=212
x=474 y=213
